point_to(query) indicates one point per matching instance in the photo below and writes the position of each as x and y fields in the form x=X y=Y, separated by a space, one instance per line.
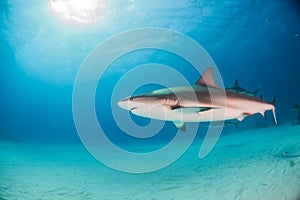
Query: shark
x=204 y=101
x=237 y=88
x=295 y=107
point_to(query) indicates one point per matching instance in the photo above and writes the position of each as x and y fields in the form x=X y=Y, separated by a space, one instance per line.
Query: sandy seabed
x=256 y=164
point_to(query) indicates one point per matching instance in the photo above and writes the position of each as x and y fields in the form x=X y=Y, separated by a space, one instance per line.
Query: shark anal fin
x=263 y=114
x=180 y=125
x=241 y=118
x=207 y=79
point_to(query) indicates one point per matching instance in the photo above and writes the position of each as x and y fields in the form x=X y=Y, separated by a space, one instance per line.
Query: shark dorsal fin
x=236 y=83
x=207 y=79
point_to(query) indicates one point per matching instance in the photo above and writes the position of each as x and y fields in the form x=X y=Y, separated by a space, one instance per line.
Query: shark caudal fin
x=274 y=115
x=273 y=110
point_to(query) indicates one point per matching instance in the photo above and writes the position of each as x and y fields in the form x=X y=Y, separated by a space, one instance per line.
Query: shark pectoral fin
x=203 y=110
x=175 y=107
x=191 y=109
x=180 y=125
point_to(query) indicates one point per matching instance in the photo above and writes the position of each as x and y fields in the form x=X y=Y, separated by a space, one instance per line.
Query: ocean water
x=51 y=146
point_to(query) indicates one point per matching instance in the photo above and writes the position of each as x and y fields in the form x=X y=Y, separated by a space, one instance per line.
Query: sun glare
x=82 y=11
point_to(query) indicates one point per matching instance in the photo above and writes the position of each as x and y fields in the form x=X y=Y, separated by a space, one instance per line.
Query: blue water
x=41 y=51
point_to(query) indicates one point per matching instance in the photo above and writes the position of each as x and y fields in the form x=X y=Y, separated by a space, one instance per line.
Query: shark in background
x=237 y=88
x=202 y=102
x=296 y=108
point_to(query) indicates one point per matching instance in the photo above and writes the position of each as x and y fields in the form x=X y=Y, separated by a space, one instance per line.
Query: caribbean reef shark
x=202 y=102
x=295 y=107
x=237 y=88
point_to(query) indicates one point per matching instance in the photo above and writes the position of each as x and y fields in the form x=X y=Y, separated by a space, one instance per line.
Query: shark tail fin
x=273 y=110
x=274 y=115
x=256 y=91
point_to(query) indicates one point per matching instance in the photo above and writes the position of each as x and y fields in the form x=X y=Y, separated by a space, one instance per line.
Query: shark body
x=295 y=107
x=203 y=102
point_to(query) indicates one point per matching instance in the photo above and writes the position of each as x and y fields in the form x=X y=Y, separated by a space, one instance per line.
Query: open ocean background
x=41 y=155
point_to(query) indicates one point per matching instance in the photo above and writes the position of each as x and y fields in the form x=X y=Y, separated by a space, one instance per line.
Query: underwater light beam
x=80 y=11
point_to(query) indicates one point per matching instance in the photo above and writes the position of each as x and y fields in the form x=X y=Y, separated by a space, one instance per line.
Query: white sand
x=245 y=165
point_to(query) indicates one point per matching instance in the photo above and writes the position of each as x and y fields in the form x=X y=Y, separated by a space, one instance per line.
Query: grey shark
x=295 y=107
x=211 y=103
x=237 y=88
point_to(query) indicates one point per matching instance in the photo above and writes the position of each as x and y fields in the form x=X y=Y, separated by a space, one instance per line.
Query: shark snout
x=133 y=102
x=125 y=104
